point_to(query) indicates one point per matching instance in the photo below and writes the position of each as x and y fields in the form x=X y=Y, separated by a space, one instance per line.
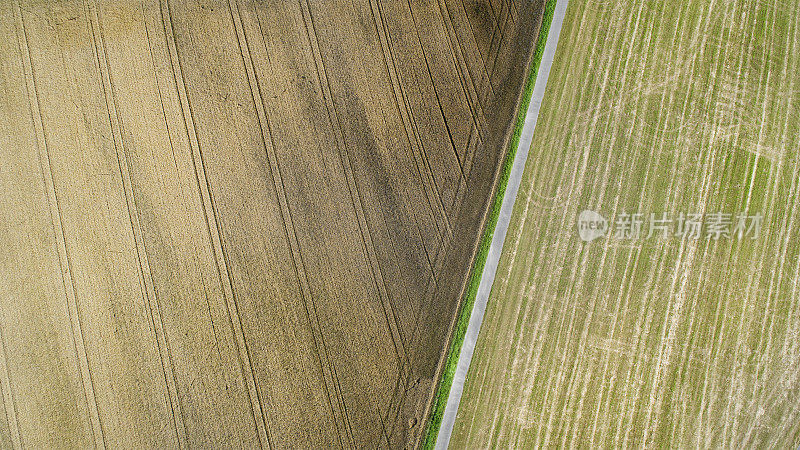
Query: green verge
x=446 y=380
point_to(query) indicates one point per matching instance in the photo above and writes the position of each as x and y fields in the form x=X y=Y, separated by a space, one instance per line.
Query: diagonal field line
x=496 y=246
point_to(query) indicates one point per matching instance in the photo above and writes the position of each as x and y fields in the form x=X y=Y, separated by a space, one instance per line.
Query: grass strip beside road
x=446 y=380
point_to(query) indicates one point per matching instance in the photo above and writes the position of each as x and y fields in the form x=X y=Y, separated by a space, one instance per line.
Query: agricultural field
x=242 y=223
x=680 y=329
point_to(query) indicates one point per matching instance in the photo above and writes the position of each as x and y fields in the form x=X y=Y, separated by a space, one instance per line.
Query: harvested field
x=242 y=223
x=666 y=341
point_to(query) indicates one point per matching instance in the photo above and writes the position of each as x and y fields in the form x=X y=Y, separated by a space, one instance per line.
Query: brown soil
x=244 y=223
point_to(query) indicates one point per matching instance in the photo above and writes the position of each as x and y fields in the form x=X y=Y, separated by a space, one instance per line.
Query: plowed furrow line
x=366 y=238
x=9 y=406
x=785 y=234
x=145 y=275
x=765 y=254
x=465 y=78
x=716 y=372
x=483 y=58
x=213 y=227
x=58 y=230
x=557 y=375
x=655 y=274
x=357 y=202
x=432 y=192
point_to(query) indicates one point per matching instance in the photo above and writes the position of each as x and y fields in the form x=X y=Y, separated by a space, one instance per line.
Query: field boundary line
x=540 y=68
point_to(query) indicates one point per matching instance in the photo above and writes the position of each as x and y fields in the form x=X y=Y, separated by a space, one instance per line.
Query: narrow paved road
x=496 y=247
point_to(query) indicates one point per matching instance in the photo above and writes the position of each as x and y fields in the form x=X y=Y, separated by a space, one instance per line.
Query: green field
x=652 y=107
